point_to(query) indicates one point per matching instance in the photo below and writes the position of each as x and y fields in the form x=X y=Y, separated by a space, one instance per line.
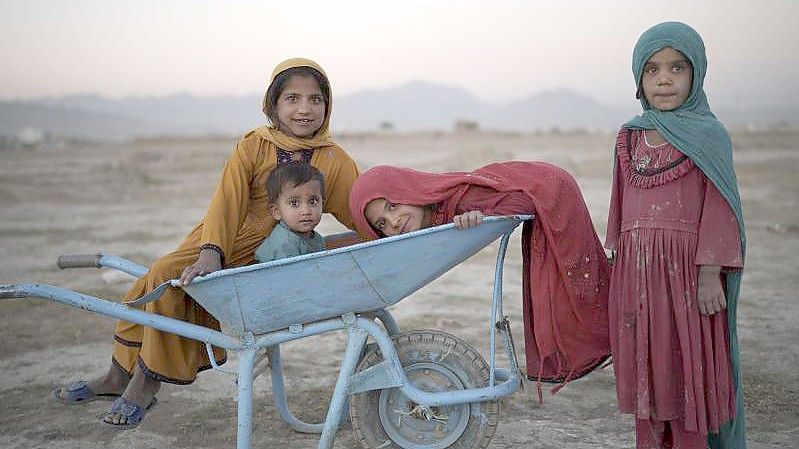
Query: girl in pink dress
x=676 y=232
x=565 y=272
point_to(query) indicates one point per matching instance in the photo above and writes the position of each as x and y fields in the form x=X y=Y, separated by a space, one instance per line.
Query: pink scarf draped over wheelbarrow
x=565 y=272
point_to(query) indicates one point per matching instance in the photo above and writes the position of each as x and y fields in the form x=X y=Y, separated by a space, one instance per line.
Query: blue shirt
x=283 y=242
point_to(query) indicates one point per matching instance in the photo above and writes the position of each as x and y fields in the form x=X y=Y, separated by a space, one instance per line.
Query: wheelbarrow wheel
x=433 y=361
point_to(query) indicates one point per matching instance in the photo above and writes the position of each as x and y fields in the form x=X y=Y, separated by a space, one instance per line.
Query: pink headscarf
x=405 y=186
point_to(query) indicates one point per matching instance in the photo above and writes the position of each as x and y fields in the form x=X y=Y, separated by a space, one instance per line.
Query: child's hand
x=208 y=262
x=467 y=220
x=710 y=294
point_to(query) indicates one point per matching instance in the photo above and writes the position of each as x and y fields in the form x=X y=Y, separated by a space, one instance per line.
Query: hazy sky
x=498 y=50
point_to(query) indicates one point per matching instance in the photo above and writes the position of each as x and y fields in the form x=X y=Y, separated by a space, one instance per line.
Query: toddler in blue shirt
x=296 y=197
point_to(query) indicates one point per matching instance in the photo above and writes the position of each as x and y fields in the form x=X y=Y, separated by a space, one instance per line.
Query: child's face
x=300 y=107
x=393 y=219
x=299 y=207
x=667 y=79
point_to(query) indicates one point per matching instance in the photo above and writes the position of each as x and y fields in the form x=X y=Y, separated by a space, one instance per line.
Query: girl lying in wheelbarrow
x=565 y=272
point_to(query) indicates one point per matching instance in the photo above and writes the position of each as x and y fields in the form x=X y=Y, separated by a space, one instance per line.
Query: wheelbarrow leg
x=244 y=424
x=281 y=402
x=356 y=338
x=388 y=322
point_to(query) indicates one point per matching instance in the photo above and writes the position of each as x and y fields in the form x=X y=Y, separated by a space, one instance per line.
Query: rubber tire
x=440 y=348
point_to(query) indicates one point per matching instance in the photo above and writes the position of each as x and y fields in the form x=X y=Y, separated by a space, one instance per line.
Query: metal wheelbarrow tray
x=419 y=389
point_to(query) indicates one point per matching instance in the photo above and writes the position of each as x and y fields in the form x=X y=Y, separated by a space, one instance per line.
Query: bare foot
x=140 y=390
x=113 y=382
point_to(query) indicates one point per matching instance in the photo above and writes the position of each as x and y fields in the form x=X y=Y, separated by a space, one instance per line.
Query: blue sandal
x=78 y=393
x=130 y=410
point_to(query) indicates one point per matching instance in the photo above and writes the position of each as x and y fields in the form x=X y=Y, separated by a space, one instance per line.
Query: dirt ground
x=138 y=200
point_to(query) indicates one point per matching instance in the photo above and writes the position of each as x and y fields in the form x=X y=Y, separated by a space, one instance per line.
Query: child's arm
x=225 y=214
x=229 y=204
x=468 y=219
x=482 y=201
x=207 y=262
x=623 y=141
x=718 y=246
x=710 y=293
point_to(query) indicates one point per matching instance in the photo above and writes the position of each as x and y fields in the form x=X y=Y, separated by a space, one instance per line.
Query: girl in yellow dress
x=298 y=105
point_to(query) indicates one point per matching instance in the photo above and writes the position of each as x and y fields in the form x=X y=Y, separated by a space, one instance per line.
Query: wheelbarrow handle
x=9 y=291
x=79 y=260
x=101 y=260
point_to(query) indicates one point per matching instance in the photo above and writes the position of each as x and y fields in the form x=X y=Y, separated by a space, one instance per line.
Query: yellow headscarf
x=289 y=143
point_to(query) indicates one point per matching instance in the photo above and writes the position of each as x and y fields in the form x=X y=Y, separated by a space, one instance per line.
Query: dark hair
x=296 y=173
x=277 y=86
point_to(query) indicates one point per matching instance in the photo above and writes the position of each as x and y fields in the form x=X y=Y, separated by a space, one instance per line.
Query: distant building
x=466 y=126
x=386 y=126
x=30 y=137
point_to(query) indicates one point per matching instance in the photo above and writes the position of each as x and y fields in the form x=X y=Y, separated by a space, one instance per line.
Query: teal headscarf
x=694 y=130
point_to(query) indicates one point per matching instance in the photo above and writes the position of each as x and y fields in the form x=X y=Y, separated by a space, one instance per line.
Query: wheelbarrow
x=412 y=390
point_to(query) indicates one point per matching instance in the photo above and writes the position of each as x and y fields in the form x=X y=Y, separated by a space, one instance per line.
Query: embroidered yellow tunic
x=237 y=221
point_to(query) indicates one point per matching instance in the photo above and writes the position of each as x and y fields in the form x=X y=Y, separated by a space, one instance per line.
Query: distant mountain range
x=415 y=106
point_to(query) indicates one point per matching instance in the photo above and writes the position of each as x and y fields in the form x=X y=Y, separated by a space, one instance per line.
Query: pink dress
x=536 y=317
x=666 y=219
x=565 y=274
